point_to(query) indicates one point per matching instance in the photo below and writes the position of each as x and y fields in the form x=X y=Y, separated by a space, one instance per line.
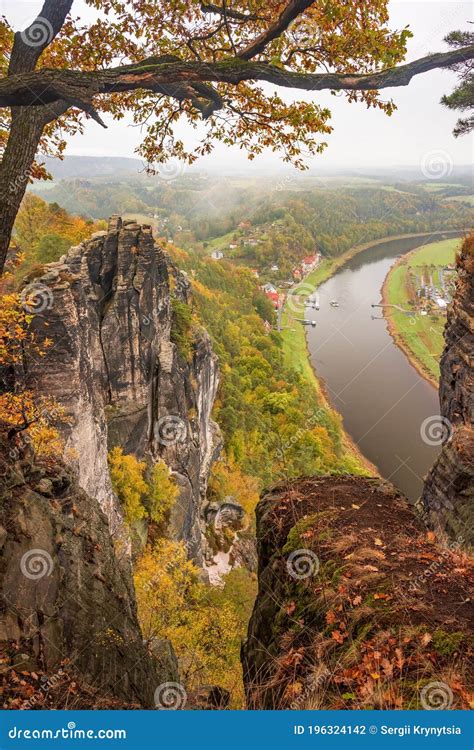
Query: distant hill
x=92 y=166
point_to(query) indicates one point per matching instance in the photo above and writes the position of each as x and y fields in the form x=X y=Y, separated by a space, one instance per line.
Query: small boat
x=334 y=303
x=305 y=322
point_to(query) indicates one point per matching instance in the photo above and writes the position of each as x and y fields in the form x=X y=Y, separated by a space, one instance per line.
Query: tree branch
x=233 y=14
x=29 y=44
x=46 y=85
x=294 y=9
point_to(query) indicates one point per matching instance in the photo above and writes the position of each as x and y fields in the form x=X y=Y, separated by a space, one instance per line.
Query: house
x=217 y=255
x=268 y=288
x=275 y=298
x=310 y=262
x=274 y=268
x=255 y=273
x=233 y=245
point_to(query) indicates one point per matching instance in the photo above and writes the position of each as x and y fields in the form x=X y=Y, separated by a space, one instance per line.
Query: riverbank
x=419 y=337
x=295 y=345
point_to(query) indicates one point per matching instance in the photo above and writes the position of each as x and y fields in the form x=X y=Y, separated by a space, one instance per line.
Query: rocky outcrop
x=67 y=604
x=448 y=496
x=229 y=542
x=359 y=606
x=107 y=308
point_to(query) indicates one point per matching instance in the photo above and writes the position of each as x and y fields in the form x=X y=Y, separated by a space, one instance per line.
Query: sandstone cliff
x=448 y=496
x=113 y=366
x=116 y=366
x=358 y=605
x=67 y=607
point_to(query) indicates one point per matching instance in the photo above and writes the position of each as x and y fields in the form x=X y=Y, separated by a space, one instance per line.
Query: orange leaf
x=337 y=636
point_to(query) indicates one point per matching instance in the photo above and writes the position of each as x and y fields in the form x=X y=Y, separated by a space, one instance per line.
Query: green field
x=421 y=337
x=462 y=199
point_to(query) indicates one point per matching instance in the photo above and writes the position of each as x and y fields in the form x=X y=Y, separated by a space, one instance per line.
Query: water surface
x=381 y=397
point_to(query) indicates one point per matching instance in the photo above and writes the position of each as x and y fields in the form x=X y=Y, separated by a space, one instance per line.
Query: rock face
x=67 y=602
x=107 y=307
x=358 y=605
x=448 y=497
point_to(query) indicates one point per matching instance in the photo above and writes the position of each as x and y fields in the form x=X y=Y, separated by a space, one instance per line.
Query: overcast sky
x=419 y=128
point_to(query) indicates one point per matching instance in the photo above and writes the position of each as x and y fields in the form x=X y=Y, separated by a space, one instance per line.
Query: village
x=273 y=287
x=430 y=288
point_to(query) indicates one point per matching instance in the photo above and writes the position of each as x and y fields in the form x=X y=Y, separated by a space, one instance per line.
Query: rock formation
x=115 y=367
x=358 y=605
x=67 y=603
x=107 y=308
x=448 y=496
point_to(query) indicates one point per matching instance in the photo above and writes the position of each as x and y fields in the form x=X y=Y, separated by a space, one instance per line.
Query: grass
x=421 y=337
x=462 y=199
x=436 y=253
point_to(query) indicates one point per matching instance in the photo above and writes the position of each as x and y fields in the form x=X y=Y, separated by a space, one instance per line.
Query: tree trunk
x=28 y=123
x=15 y=169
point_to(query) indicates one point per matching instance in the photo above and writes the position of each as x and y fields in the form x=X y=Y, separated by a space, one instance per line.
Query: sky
x=419 y=132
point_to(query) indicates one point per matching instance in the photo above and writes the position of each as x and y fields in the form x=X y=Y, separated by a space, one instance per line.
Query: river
x=380 y=395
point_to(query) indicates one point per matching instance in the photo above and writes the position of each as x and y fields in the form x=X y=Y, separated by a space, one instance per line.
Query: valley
x=212 y=388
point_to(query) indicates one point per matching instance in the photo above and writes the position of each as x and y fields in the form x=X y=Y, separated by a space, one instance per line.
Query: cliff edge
x=359 y=606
